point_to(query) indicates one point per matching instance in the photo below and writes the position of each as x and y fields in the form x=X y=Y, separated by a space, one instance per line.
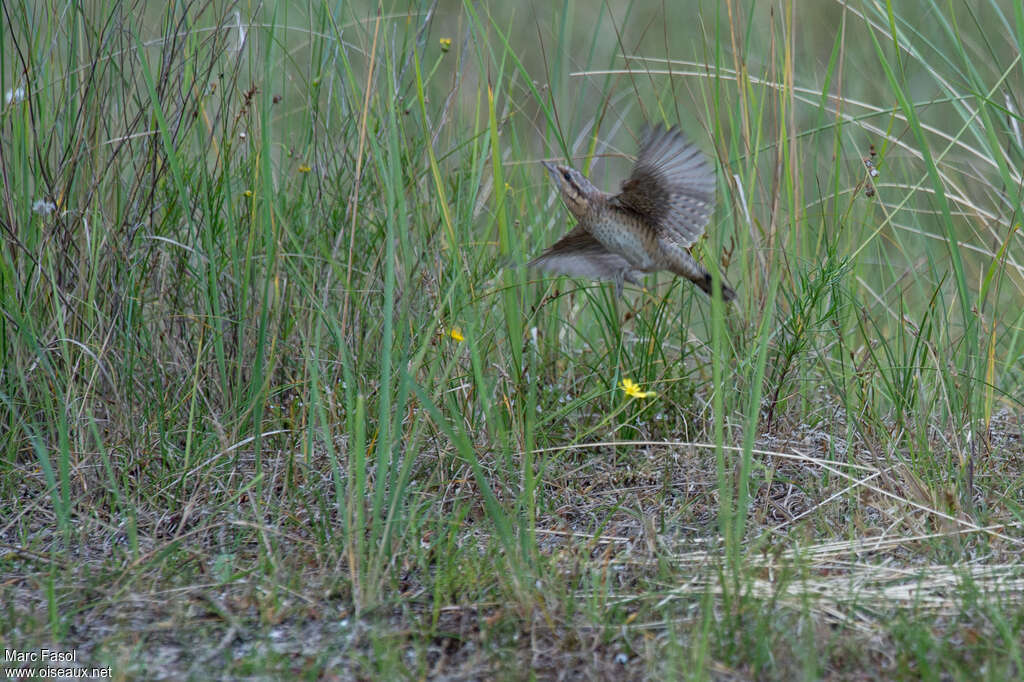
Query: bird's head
x=576 y=190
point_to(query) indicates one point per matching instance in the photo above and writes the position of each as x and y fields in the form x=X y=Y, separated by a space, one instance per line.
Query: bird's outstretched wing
x=672 y=186
x=578 y=254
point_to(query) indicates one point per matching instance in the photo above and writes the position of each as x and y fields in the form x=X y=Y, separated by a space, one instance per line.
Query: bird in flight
x=650 y=225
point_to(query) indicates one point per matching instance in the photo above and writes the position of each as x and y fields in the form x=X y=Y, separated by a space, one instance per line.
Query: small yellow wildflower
x=446 y=44
x=456 y=334
x=304 y=168
x=633 y=390
x=247 y=193
x=508 y=187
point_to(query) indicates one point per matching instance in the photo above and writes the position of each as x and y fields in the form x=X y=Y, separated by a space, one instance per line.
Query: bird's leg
x=626 y=274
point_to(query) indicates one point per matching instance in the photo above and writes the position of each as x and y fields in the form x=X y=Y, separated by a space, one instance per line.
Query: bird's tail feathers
x=706 y=285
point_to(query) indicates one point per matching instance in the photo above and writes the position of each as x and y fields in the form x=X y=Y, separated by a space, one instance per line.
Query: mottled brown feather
x=578 y=254
x=672 y=187
x=662 y=210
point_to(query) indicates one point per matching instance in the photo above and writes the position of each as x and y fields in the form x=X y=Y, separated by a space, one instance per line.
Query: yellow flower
x=446 y=44
x=247 y=193
x=633 y=391
x=304 y=168
x=456 y=334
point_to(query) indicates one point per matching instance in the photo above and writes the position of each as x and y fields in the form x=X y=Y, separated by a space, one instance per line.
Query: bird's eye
x=565 y=174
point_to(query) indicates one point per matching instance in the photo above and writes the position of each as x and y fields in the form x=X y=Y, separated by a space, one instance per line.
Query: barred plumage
x=650 y=225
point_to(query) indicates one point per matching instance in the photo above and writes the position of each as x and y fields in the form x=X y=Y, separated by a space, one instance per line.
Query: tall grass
x=278 y=389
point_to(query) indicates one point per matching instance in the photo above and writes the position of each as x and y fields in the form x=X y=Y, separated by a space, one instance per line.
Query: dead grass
x=628 y=565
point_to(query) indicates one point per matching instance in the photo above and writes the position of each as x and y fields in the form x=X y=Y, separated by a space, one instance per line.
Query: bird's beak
x=552 y=168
